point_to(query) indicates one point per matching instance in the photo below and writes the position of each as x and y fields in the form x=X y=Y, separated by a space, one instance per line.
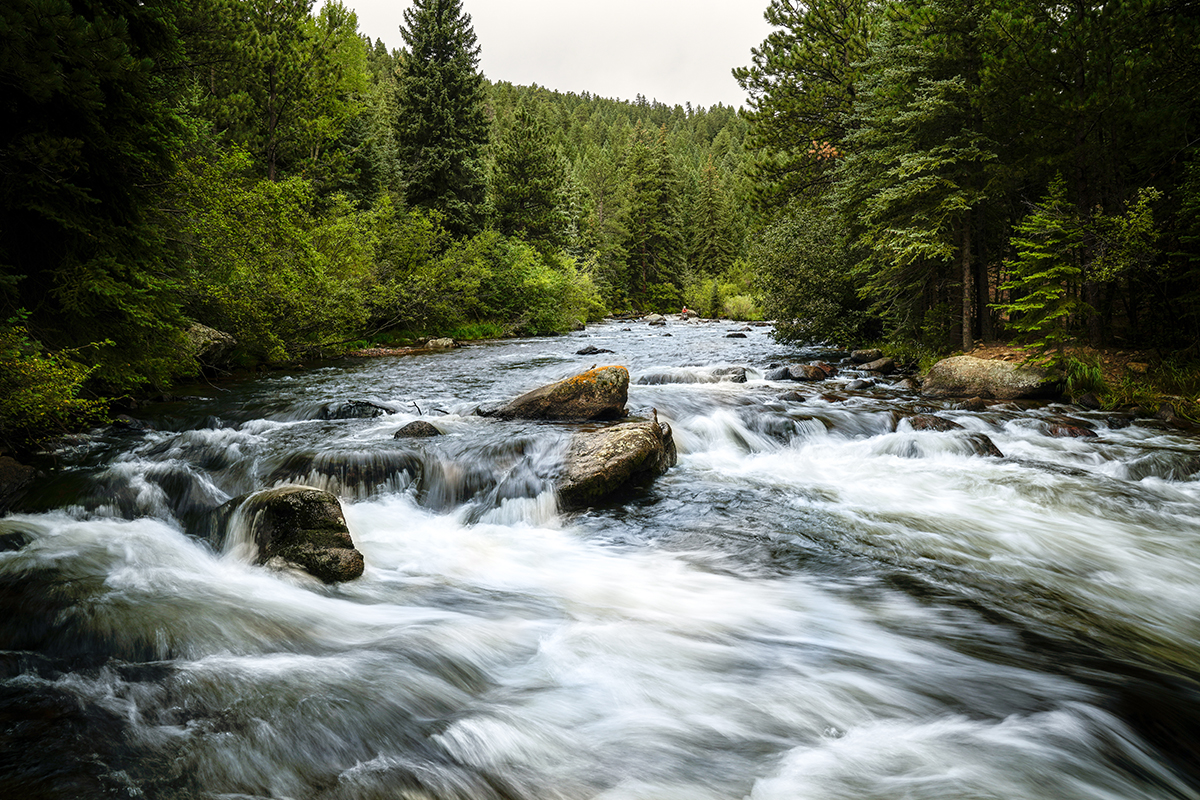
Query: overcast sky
x=675 y=51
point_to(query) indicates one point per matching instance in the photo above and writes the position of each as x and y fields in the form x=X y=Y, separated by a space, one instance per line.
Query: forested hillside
x=262 y=169
x=945 y=171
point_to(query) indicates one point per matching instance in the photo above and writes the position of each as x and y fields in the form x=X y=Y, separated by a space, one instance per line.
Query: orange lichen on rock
x=599 y=393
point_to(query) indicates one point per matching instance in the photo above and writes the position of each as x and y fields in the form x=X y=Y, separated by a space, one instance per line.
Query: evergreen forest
x=929 y=173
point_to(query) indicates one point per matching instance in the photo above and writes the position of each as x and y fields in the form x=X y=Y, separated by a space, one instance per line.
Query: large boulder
x=15 y=479
x=967 y=376
x=596 y=394
x=300 y=526
x=866 y=356
x=601 y=463
x=210 y=347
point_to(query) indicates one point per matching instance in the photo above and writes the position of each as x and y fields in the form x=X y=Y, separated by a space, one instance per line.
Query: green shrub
x=741 y=307
x=39 y=392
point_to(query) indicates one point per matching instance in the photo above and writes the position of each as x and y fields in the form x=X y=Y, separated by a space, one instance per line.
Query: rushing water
x=818 y=602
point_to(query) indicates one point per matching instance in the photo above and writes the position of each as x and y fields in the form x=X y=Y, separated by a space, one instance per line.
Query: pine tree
x=802 y=84
x=654 y=240
x=441 y=123
x=1046 y=276
x=90 y=128
x=528 y=182
x=712 y=242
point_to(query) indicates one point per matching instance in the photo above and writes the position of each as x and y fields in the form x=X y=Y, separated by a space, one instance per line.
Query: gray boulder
x=208 y=346
x=730 y=374
x=601 y=463
x=417 y=429
x=441 y=344
x=866 y=356
x=596 y=394
x=656 y=319
x=300 y=526
x=967 y=376
x=881 y=365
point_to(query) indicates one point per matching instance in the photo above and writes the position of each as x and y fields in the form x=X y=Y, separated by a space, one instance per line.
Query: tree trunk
x=968 y=286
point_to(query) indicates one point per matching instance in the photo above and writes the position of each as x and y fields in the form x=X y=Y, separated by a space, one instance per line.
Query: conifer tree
x=712 y=242
x=441 y=124
x=654 y=236
x=528 y=182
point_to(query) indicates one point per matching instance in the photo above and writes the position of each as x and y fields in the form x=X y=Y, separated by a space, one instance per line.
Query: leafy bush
x=39 y=392
x=741 y=307
x=266 y=268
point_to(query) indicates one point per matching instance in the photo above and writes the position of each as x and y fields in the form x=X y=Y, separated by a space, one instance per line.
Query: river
x=816 y=603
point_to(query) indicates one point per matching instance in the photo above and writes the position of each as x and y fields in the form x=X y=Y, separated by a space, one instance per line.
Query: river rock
x=866 y=356
x=656 y=319
x=441 y=344
x=15 y=479
x=301 y=526
x=417 y=429
x=1070 y=430
x=792 y=397
x=928 y=422
x=596 y=394
x=859 y=385
x=735 y=336
x=805 y=372
x=880 y=365
x=208 y=346
x=591 y=350
x=967 y=376
x=601 y=463
x=984 y=446
x=355 y=409
x=730 y=374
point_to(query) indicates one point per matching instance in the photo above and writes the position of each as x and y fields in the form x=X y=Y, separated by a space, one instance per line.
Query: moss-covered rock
x=967 y=376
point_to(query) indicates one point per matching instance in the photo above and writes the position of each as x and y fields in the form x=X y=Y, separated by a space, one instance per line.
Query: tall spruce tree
x=529 y=181
x=802 y=84
x=441 y=123
x=654 y=235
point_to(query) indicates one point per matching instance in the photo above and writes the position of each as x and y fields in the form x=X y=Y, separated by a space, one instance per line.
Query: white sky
x=675 y=51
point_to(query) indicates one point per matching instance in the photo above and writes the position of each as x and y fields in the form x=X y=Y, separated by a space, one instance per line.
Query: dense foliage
x=259 y=168
x=993 y=167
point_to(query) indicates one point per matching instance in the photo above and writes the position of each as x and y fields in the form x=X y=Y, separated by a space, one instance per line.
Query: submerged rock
x=928 y=422
x=601 y=463
x=967 y=376
x=301 y=526
x=417 y=429
x=592 y=350
x=355 y=409
x=596 y=394
x=730 y=374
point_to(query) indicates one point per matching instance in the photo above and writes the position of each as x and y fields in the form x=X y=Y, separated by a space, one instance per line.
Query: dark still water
x=818 y=602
